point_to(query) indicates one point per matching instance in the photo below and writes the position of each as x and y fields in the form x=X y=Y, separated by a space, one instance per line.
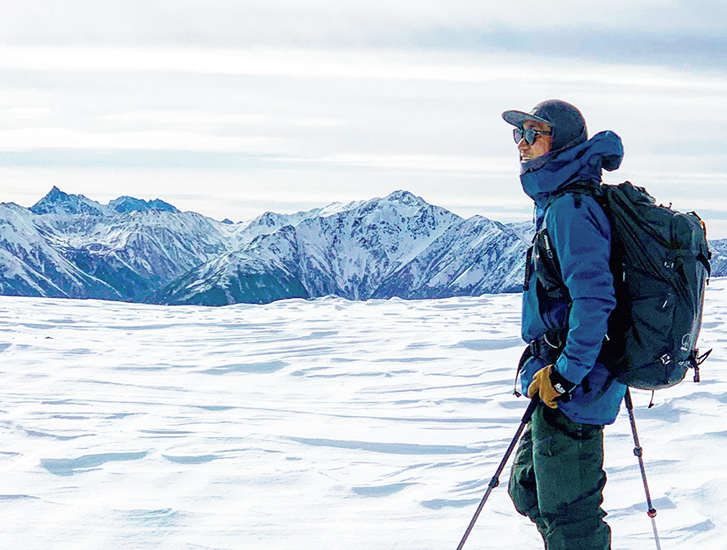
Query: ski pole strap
x=546 y=347
x=549 y=346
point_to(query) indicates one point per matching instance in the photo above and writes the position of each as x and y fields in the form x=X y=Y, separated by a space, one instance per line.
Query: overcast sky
x=231 y=108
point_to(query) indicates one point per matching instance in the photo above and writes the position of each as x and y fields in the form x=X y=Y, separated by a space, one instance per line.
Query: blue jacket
x=580 y=233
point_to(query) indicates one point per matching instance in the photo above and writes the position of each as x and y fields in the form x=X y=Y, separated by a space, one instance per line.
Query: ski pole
x=495 y=481
x=638 y=452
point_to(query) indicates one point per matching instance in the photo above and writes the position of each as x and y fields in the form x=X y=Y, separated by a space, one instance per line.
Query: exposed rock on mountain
x=135 y=250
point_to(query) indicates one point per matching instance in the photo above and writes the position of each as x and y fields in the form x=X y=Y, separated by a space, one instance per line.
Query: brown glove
x=550 y=385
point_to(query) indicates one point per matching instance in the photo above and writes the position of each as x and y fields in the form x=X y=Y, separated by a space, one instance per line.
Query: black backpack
x=660 y=262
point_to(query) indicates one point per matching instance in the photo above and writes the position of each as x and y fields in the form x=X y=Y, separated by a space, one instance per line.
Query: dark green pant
x=557 y=481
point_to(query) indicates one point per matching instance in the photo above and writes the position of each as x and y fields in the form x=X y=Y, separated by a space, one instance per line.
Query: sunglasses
x=530 y=135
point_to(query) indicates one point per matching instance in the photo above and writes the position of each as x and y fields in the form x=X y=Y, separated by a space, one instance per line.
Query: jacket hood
x=547 y=174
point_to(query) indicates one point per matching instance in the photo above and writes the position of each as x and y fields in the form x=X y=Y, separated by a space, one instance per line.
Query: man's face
x=540 y=146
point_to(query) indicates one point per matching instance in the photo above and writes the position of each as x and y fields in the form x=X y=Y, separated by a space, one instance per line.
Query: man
x=557 y=477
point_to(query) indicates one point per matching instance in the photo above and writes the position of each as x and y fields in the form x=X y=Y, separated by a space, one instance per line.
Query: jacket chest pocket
x=544 y=263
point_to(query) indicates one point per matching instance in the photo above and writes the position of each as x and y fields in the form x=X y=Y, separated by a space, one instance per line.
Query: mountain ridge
x=69 y=246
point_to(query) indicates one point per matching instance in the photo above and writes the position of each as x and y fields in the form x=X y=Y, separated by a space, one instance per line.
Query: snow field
x=312 y=424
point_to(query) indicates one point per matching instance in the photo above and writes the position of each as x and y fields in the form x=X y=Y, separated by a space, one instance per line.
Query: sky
x=232 y=108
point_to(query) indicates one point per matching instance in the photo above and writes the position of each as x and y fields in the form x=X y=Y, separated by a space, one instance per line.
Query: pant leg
x=567 y=460
x=522 y=487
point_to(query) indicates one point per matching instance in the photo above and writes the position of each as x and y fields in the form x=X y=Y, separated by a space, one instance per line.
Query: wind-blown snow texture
x=312 y=425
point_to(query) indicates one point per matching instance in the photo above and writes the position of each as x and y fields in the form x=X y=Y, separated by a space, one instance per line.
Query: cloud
x=296 y=102
x=655 y=31
x=164 y=117
x=477 y=165
x=394 y=64
x=54 y=138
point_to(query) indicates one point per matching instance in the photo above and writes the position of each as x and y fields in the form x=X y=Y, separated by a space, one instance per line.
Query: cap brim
x=517 y=118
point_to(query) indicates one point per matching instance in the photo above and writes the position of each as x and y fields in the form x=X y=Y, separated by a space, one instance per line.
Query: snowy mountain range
x=148 y=251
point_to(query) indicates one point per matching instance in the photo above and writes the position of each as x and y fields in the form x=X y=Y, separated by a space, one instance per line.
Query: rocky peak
x=130 y=204
x=405 y=197
x=58 y=202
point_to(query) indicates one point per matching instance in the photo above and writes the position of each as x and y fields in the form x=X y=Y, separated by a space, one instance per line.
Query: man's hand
x=550 y=385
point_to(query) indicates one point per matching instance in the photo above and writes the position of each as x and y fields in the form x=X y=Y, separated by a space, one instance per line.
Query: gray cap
x=567 y=122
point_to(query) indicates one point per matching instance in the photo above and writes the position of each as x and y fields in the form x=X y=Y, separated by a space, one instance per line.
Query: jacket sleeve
x=581 y=235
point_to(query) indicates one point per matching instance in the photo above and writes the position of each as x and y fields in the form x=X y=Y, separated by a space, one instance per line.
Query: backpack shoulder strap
x=578 y=189
x=544 y=257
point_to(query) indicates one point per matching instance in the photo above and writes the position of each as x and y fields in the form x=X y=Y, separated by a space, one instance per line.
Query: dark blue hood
x=544 y=175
